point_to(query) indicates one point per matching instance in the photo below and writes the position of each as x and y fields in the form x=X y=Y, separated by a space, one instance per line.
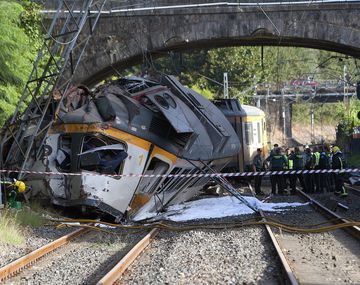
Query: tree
x=19 y=41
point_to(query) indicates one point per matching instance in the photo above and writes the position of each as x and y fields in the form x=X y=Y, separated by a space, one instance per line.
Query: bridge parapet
x=125 y=37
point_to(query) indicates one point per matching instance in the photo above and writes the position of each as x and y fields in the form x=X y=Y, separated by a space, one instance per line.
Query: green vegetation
x=30 y=217
x=19 y=41
x=353 y=160
x=327 y=114
x=10 y=230
x=13 y=223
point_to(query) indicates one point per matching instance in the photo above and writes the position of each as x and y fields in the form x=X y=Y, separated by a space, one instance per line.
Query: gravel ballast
x=241 y=256
x=82 y=261
x=318 y=258
x=35 y=238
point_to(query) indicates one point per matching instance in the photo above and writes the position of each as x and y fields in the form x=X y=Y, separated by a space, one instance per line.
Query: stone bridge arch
x=122 y=38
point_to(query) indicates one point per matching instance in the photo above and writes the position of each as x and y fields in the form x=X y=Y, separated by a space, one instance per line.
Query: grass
x=10 y=230
x=14 y=222
x=29 y=217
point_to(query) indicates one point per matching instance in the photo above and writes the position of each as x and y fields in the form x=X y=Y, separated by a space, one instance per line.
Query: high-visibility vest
x=317 y=158
x=291 y=163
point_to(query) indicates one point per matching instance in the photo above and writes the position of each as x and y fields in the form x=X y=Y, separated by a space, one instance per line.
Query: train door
x=159 y=163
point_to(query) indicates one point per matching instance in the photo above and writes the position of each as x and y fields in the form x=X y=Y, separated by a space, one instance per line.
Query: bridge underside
x=123 y=40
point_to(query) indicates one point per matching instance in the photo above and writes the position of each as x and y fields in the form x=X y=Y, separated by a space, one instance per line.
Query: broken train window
x=102 y=154
x=63 y=155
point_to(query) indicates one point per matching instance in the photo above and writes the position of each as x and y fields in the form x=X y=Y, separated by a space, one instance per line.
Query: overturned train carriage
x=133 y=126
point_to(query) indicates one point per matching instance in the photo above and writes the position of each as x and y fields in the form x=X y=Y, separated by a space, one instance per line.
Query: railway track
x=24 y=262
x=296 y=254
x=324 y=258
x=48 y=264
x=116 y=272
x=355 y=190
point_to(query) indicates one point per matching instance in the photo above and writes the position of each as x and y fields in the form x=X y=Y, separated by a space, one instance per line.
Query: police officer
x=277 y=163
x=258 y=166
x=309 y=183
x=272 y=152
x=298 y=164
x=324 y=163
x=289 y=166
x=338 y=163
x=315 y=166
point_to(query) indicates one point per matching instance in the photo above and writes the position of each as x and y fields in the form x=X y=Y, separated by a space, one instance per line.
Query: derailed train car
x=250 y=126
x=133 y=126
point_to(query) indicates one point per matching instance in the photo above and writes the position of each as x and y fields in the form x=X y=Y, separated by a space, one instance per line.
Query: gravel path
x=35 y=238
x=82 y=261
x=324 y=258
x=242 y=256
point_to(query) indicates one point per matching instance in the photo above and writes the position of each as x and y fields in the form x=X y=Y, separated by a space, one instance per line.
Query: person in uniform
x=257 y=167
x=315 y=166
x=308 y=178
x=277 y=163
x=289 y=166
x=324 y=163
x=298 y=164
x=338 y=163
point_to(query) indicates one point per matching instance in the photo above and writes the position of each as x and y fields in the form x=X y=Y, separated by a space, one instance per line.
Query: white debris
x=221 y=207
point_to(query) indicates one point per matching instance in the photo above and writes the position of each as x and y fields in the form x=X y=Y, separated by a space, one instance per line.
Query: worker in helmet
x=338 y=163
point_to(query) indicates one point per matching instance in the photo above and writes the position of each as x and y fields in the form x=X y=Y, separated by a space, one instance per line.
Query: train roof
x=232 y=107
x=165 y=113
x=252 y=110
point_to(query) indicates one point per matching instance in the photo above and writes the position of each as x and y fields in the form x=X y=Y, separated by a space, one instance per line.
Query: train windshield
x=102 y=155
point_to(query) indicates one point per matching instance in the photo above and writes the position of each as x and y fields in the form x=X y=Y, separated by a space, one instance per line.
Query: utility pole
x=226 y=86
x=312 y=123
x=346 y=98
x=283 y=116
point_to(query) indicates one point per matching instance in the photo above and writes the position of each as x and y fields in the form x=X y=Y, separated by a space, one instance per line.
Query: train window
x=156 y=167
x=249 y=137
x=259 y=132
x=102 y=155
x=63 y=155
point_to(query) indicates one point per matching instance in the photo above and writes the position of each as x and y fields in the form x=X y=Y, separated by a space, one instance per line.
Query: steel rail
x=353 y=190
x=116 y=272
x=290 y=276
x=19 y=264
x=354 y=230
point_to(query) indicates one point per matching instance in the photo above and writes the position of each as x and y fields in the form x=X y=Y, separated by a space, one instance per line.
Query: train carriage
x=250 y=126
x=134 y=127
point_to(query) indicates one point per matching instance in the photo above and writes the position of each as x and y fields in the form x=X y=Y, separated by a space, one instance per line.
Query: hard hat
x=335 y=149
x=20 y=186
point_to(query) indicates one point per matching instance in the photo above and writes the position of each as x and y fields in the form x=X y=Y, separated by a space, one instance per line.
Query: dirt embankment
x=302 y=134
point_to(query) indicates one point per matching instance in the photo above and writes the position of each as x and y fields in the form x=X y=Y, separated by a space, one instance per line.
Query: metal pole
x=226 y=86
x=283 y=115
x=312 y=123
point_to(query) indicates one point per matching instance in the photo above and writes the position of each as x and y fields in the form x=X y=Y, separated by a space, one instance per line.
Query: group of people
x=318 y=158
